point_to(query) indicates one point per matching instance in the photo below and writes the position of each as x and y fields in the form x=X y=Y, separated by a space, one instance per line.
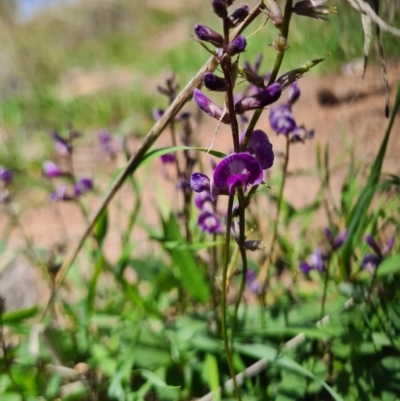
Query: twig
x=260 y=365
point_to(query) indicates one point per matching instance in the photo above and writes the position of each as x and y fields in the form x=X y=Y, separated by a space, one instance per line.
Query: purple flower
x=236 y=46
x=337 y=242
x=293 y=93
x=300 y=134
x=370 y=262
x=51 y=170
x=281 y=119
x=82 y=186
x=60 y=194
x=199 y=182
x=62 y=145
x=208 y=35
x=313 y=9
x=261 y=148
x=202 y=198
x=260 y=100
x=373 y=245
x=108 y=143
x=214 y=83
x=209 y=107
x=6 y=175
x=236 y=169
x=209 y=222
x=168 y=158
x=314 y=262
x=157 y=114
x=238 y=16
x=252 y=284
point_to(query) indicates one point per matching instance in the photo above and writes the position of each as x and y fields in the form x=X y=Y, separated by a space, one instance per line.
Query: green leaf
x=101 y=227
x=190 y=274
x=260 y=351
x=19 y=315
x=210 y=369
x=390 y=265
x=153 y=378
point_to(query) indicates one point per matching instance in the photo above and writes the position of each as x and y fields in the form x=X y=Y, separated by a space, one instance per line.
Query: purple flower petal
x=340 y=239
x=82 y=186
x=236 y=169
x=62 y=145
x=370 y=261
x=373 y=245
x=281 y=119
x=305 y=267
x=236 y=46
x=209 y=107
x=293 y=93
x=238 y=15
x=157 y=114
x=202 y=198
x=315 y=260
x=252 y=284
x=51 y=170
x=389 y=245
x=199 y=182
x=59 y=194
x=261 y=148
x=6 y=175
x=168 y=158
x=214 y=83
x=208 y=35
x=209 y=222
x=260 y=100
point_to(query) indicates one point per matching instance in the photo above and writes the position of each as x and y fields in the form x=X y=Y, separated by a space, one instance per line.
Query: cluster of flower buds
x=371 y=261
x=282 y=121
x=237 y=169
x=50 y=170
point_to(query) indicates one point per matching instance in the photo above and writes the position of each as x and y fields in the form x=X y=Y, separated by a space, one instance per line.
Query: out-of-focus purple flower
x=260 y=100
x=209 y=222
x=209 y=107
x=238 y=16
x=261 y=148
x=252 y=284
x=314 y=262
x=199 y=182
x=370 y=262
x=219 y=8
x=293 y=93
x=51 y=170
x=109 y=144
x=337 y=242
x=238 y=45
x=168 y=158
x=62 y=145
x=208 y=35
x=314 y=9
x=236 y=169
x=83 y=185
x=60 y=194
x=214 y=83
x=157 y=114
x=300 y=134
x=201 y=199
x=6 y=175
x=281 y=119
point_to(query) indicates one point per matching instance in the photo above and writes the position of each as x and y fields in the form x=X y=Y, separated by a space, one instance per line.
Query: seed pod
x=275 y=13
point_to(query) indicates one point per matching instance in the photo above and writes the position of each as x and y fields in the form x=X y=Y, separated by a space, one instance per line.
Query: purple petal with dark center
x=235 y=169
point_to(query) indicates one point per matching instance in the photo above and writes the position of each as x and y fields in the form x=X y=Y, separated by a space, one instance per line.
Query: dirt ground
x=342 y=125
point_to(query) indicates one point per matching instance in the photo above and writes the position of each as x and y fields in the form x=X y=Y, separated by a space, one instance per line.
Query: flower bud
x=51 y=170
x=199 y=182
x=314 y=9
x=6 y=176
x=238 y=16
x=209 y=107
x=219 y=8
x=208 y=35
x=236 y=46
x=260 y=100
x=293 y=93
x=275 y=13
x=280 y=45
x=214 y=83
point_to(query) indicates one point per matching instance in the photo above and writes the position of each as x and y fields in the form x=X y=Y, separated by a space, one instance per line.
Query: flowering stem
x=223 y=300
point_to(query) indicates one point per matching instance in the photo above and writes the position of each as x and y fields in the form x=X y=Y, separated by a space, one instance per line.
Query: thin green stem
x=223 y=300
x=326 y=282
